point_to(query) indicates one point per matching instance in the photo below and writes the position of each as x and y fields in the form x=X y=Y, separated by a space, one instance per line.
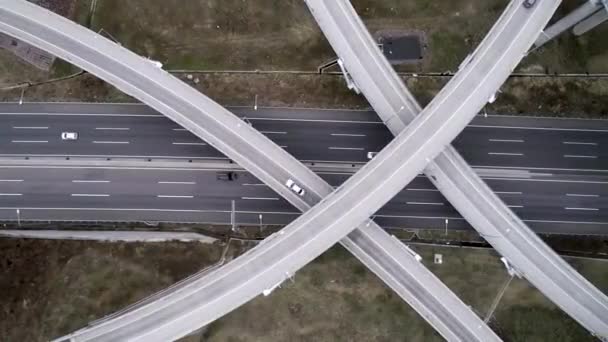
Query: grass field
x=335 y=298
x=50 y=288
x=282 y=35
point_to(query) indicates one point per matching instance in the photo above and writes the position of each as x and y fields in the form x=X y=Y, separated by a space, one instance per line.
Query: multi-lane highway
x=560 y=198
x=309 y=134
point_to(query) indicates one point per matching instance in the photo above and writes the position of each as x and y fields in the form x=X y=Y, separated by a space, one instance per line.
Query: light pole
x=261 y=224
x=21 y=98
x=446 y=226
x=233 y=217
x=255 y=103
x=18 y=218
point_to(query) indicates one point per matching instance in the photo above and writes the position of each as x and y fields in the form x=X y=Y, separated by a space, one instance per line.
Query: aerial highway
x=451 y=175
x=343 y=136
x=379 y=157
x=270 y=262
x=403 y=158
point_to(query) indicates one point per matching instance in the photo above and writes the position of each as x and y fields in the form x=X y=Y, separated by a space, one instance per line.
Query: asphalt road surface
x=310 y=135
x=557 y=183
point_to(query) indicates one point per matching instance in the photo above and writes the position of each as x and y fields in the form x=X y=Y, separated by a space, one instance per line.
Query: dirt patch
x=59 y=286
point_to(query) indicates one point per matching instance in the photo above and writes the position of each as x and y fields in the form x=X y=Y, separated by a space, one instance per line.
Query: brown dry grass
x=50 y=288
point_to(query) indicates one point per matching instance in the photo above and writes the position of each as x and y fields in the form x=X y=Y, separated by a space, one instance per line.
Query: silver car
x=69 y=136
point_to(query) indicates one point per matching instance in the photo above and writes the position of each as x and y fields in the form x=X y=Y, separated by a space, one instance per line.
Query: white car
x=69 y=136
x=371 y=155
x=295 y=187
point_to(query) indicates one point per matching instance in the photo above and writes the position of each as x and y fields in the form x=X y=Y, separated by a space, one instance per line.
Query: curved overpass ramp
x=456 y=180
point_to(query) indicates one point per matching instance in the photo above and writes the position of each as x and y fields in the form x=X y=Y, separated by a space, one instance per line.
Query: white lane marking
x=283 y=146
x=507 y=140
x=179 y=129
x=586 y=209
x=272 y=132
x=11 y=180
x=578 y=143
x=515 y=206
x=582 y=195
x=90 y=195
x=424 y=203
x=109 y=142
x=261 y=198
x=541 y=128
x=544 y=180
x=174 y=196
x=254 y=184
x=112 y=128
x=347 y=148
x=169 y=182
x=90 y=181
x=414 y=189
x=11 y=194
x=29 y=127
x=30 y=141
x=80 y=114
x=579 y=156
x=505 y=154
x=189 y=143
x=508 y=192
x=347 y=135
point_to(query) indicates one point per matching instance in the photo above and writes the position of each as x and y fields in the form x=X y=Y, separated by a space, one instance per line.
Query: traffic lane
x=148 y=178
x=139 y=180
x=298 y=113
x=319 y=114
x=335 y=141
x=121 y=215
x=550 y=149
x=533 y=135
x=165 y=201
x=114 y=138
x=338 y=141
x=78 y=108
x=218 y=196
x=140 y=188
x=515 y=121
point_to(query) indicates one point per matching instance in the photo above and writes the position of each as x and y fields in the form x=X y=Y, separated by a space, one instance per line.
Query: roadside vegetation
x=50 y=288
x=337 y=298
